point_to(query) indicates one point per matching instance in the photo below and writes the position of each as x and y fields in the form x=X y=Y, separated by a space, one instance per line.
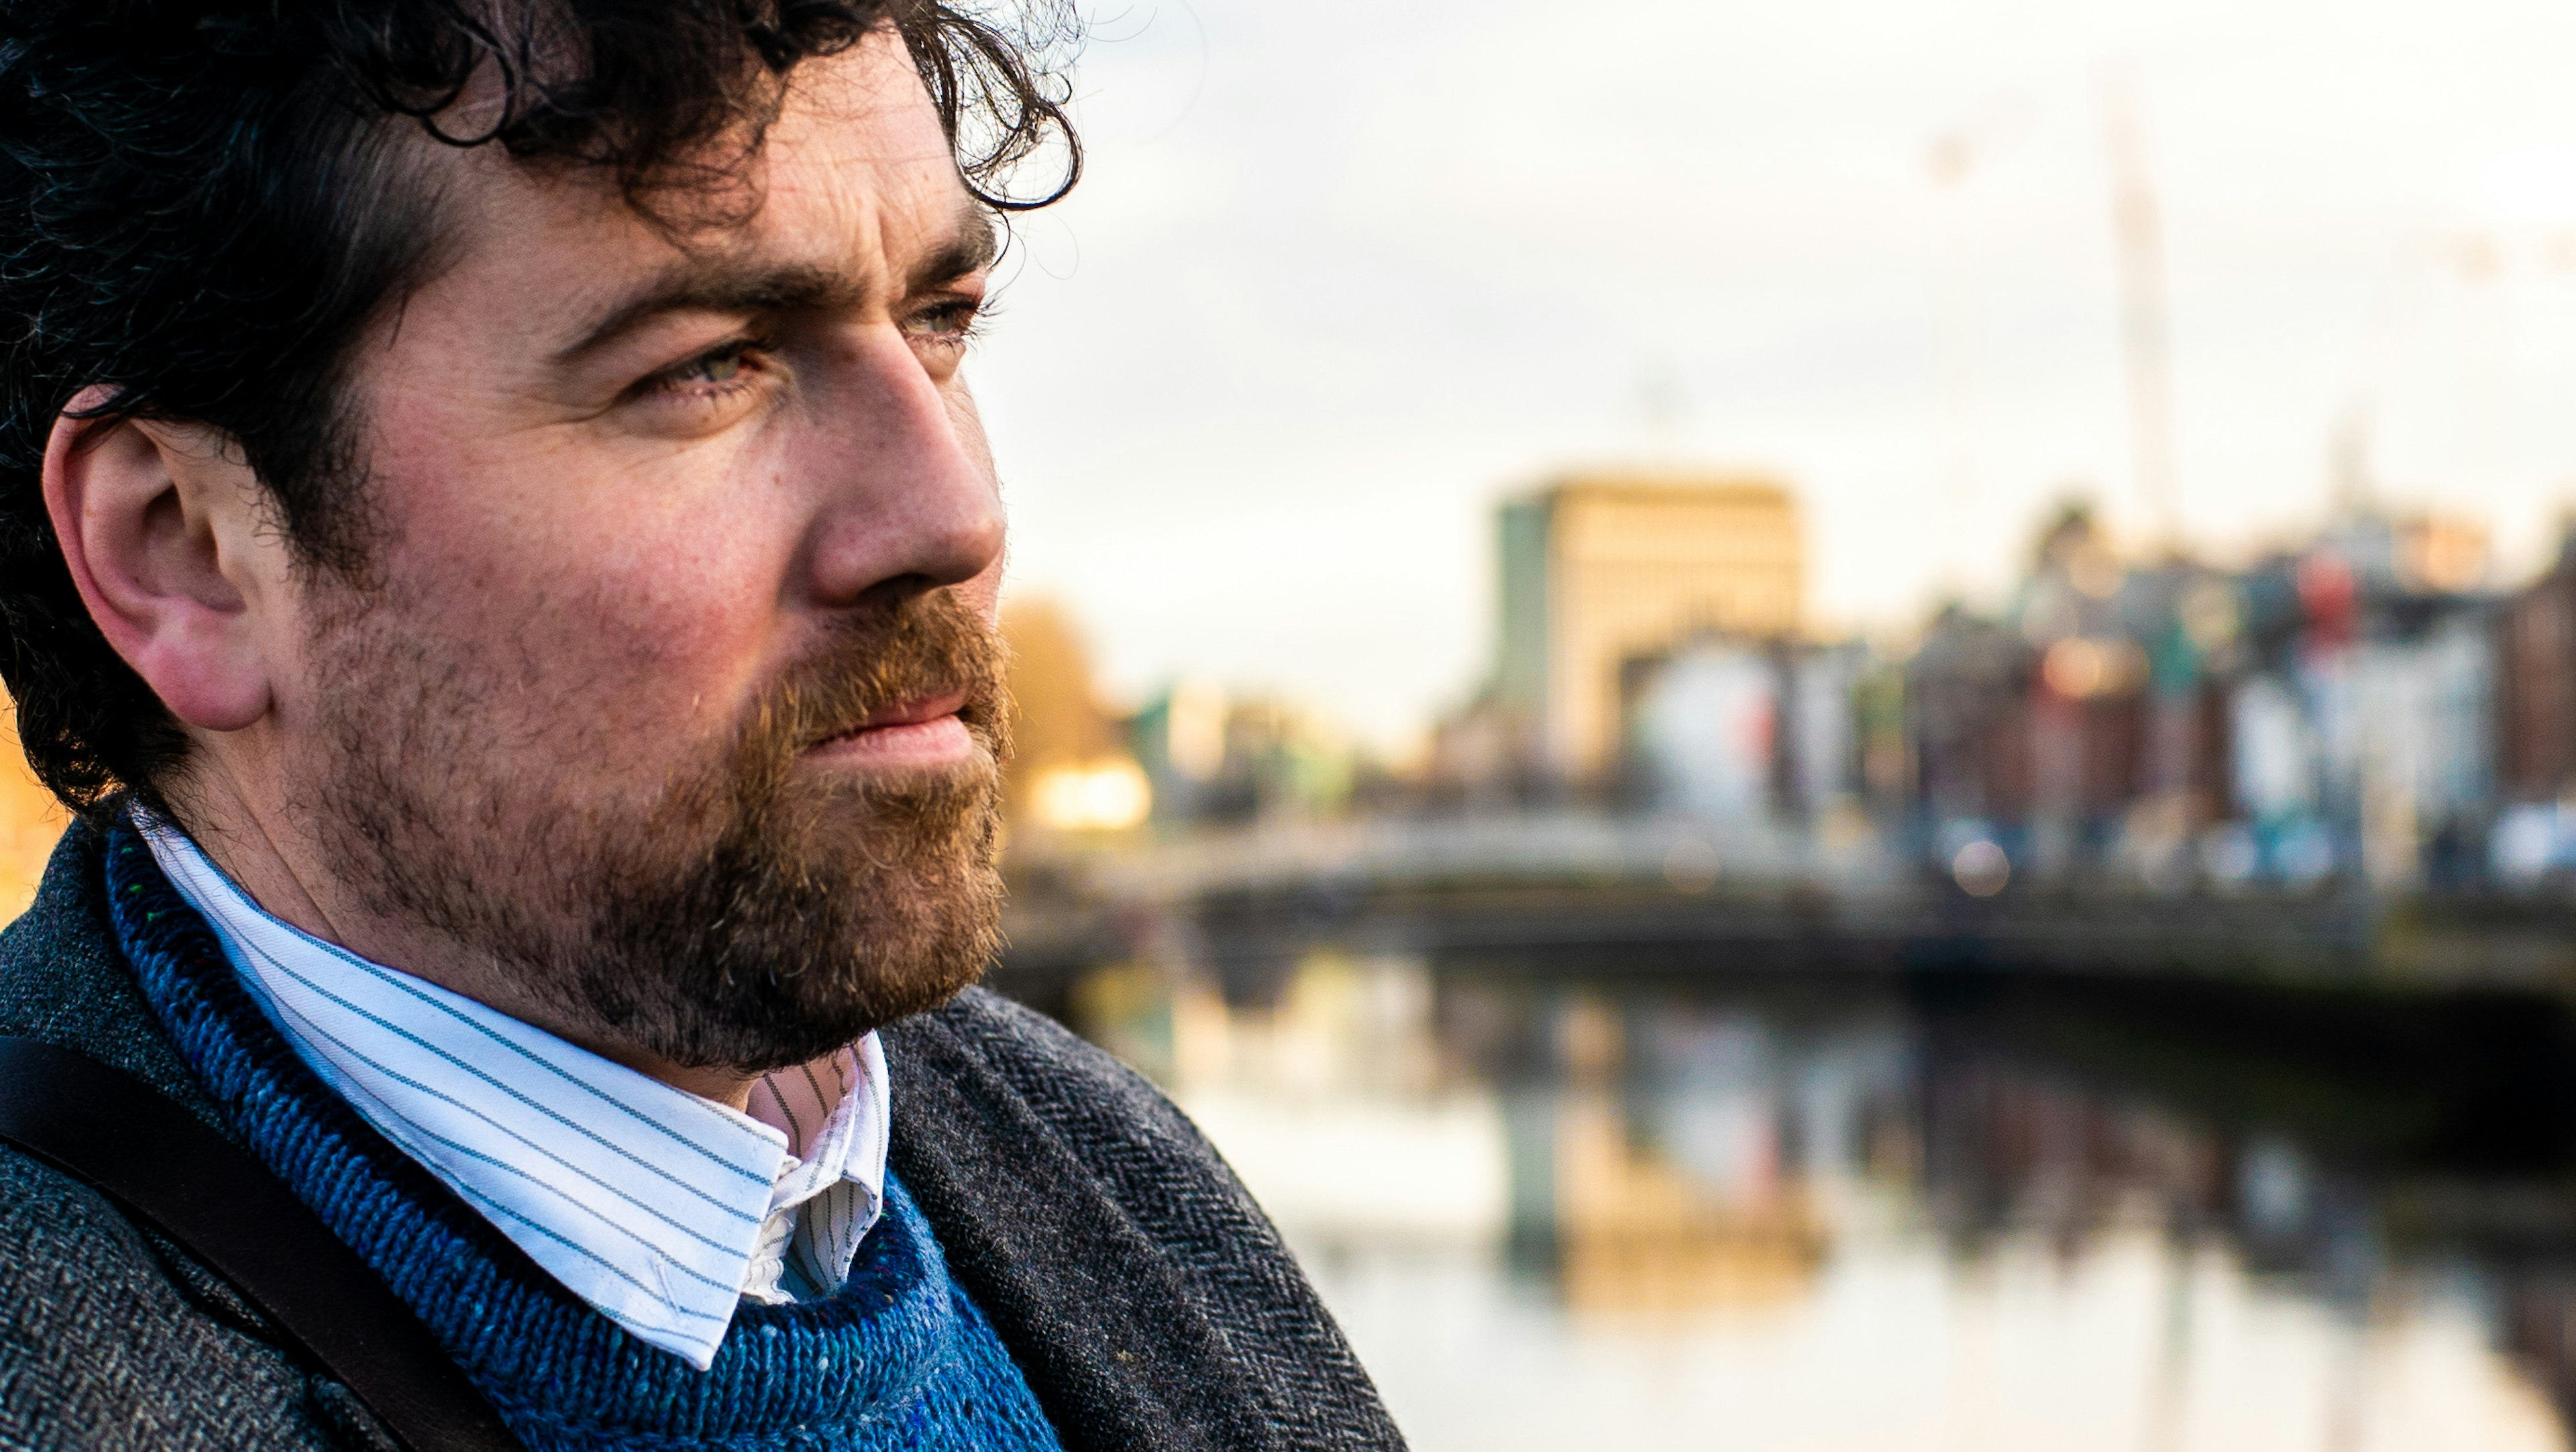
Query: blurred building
x=1601 y=571
x=2535 y=728
x=1069 y=770
x=1706 y=731
x=2364 y=699
x=1744 y=731
x=1221 y=758
x=30 y=821
x=2329 y=709
x=1967 y=707
x=2536 y=680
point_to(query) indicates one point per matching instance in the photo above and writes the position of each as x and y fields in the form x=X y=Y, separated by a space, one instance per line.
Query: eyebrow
x=722 y=284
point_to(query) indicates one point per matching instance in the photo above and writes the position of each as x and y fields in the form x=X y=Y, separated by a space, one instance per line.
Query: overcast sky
x=1344 y=274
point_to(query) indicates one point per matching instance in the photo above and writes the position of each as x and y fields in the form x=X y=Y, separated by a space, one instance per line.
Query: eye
x=714 y=390
x=719 y=372
x=713 y=368
x=718 y=366
x=950 y=320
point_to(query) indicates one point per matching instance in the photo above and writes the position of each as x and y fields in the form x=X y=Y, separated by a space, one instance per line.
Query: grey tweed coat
x=1145 y=1297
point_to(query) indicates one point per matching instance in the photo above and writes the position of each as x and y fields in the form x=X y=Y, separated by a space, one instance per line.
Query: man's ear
x=161 y=526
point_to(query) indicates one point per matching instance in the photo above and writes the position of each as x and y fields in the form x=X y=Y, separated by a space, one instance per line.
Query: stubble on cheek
x=464 y=791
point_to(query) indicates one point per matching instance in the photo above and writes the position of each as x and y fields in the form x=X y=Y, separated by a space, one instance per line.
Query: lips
x=913 y=713
x=927 y=732
x=916 y=712
x=917 y=685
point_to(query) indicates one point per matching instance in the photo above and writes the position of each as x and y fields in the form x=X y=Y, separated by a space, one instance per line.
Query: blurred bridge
x=1592 y=894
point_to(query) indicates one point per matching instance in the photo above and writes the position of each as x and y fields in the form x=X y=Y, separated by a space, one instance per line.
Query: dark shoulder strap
x=164 y=1165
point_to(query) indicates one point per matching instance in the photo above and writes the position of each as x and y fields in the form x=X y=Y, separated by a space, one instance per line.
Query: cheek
x=619 y=608
x=669 y=642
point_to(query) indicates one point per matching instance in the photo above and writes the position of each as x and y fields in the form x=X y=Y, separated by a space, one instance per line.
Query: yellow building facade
x=30 y=821
x=1069 y=769
x=1603 y=569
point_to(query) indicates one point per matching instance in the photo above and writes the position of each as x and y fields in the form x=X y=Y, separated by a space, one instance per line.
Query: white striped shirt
x=661 y=1209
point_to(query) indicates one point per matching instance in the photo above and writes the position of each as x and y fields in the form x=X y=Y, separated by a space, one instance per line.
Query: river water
x=1847 y=1218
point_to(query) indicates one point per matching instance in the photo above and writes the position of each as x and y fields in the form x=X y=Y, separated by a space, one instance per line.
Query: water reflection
x=1590 y=1216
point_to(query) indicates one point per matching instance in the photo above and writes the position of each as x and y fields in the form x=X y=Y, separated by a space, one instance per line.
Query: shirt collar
x=646 y=1201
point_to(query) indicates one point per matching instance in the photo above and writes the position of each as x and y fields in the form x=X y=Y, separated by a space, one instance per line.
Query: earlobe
x=158 y=527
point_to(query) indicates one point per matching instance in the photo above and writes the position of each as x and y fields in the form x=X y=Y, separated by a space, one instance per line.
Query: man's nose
x=909 y=499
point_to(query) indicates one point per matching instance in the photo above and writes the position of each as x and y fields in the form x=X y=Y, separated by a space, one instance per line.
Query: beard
x=745 y=912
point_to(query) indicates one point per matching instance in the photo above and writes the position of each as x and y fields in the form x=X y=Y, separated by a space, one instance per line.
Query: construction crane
x=2140 y=232
x=1953 y=159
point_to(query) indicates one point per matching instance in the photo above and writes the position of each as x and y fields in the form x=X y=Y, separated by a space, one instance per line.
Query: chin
x=819 y=918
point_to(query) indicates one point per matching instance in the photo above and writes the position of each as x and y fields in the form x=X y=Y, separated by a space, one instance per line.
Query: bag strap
x=164 y=1165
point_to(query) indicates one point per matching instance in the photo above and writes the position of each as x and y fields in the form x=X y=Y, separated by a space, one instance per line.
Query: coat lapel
x=1148 y=1300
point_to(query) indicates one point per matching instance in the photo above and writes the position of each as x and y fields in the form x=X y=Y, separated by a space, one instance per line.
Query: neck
x=279 y=868
x=728 y=1087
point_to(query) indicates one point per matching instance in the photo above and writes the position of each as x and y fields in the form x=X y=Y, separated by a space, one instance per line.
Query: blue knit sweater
x=900 y=1357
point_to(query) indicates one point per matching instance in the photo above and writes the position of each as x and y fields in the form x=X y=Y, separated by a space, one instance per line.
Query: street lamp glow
x=1110 y=795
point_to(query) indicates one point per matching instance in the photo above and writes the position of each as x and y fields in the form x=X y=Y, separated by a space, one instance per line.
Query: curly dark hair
x=204 y=202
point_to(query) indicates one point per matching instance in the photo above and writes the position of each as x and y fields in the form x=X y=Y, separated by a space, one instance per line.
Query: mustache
x=927 y=646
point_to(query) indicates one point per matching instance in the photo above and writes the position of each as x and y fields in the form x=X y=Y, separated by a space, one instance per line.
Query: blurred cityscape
x=2365 y=706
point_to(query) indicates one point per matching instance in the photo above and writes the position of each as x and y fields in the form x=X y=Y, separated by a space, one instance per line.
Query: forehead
x=854 y=177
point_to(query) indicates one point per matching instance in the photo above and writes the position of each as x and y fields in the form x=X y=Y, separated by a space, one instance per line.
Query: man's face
x=670 y=690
